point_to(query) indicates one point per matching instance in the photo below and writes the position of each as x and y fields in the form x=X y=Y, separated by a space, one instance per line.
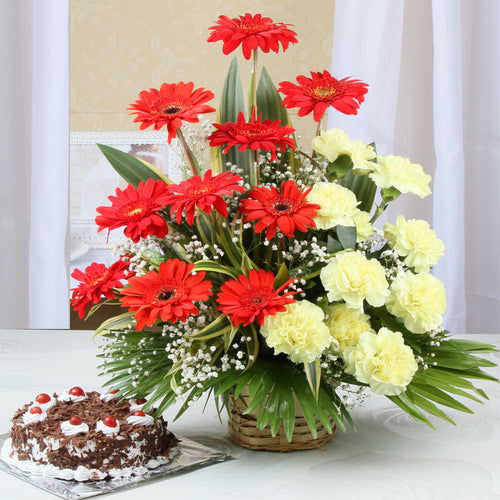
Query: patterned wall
x=119 y=47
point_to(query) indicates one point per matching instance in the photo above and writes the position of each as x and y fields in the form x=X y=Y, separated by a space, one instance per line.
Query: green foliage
x=275 y=389
x=338 y=168
x=453 y=364
x=131 y=169
x=362 y=186
x=269 y=101
x=347 y=236
x=232 y=102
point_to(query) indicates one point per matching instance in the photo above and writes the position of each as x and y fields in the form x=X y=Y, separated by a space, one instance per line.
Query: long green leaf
x=116 y=323
x=232 y=102
x=131 y=169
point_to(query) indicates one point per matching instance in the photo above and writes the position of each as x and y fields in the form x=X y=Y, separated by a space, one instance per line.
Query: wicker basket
x=243 y=431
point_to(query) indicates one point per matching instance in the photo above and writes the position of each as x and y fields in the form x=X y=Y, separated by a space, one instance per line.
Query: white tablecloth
x=389 y=456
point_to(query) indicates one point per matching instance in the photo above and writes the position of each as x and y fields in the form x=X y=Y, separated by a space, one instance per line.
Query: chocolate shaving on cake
x=132 y=446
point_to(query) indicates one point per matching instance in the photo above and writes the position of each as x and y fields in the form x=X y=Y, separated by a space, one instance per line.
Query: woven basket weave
x=243 y=431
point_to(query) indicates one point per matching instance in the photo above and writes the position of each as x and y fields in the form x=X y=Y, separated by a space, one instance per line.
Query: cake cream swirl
x=108 y=396
x=66 y=397
x=29 y=418
x=135 y=406
x=140 y=420
x=106 y=429
x=68 y=429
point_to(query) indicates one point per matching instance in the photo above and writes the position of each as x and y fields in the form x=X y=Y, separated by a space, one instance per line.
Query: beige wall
x=119 y=47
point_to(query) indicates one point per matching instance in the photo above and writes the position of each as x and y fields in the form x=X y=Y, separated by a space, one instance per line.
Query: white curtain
x=34 y=148
x=433 y=67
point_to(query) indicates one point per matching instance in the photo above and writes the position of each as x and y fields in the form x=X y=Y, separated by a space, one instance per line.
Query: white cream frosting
x=29 y=418
x=108 y=397
x=45 y=406
x=137 y=420
x=134 y=406
x=68 y=429
x=108 y=431
x=66 y=396
x=81 y=473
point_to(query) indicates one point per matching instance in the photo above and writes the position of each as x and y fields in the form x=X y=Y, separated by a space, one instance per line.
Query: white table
x=389 y=457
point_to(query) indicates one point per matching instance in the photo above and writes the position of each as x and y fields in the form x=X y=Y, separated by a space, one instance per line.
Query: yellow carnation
x=299 y=332
x=338 y=205
x=351 y=277
x=416 y=241
x=347 y=324
x=383 y=361
x=335 y=142
x=401 y=173
x=364 y=228
x=419 y=299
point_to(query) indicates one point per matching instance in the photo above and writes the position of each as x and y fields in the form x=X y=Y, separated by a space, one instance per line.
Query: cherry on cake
x=86 y=436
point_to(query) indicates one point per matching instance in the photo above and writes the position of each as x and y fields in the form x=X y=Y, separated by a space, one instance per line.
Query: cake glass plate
x=189 y=456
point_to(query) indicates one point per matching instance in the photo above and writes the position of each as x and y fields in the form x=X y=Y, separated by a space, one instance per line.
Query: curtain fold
x=34 y=143
x=434 y=68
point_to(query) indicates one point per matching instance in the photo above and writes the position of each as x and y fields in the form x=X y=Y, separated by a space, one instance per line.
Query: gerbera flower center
x=171 y=109
x=251 y=130
x=201 y=189
x=323 y=90
x=256 y=298
x=252 y=27
x=282 y=206
x=135 y=209
x=166 y=294
x=98 y=279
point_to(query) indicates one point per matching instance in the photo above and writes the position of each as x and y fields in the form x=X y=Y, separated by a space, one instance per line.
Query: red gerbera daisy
x=254 y=297
x=323 y=90
x=97 y=281
x=170 y=106
x=168 y=294
x=255 y=134
x=287 y=209
x=203 y=194
x=252 y=32
x=136 y=208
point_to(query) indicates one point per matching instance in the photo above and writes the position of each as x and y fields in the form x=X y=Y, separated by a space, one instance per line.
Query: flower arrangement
x=261 y=277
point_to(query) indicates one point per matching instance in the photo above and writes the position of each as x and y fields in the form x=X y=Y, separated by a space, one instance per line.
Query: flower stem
x=190 y=157
x=379 y=211
x=318 y=131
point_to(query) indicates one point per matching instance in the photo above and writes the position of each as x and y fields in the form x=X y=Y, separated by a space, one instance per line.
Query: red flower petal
x=323 y=90
x=252 y=298
x=254 y=134
x=170 y=106
x=204 y=194
x=136 y=209
x=251 y=32
x=168 y=294
x=286 y=209
x=97 y=282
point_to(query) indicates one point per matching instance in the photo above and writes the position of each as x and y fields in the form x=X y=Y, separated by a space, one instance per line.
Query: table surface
x=389 y=456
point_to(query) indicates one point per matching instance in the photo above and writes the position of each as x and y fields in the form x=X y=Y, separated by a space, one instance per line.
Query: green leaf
x=218 y=327
x=363 y=187
x=214 y=267
x=439 y=396
x=131 y=169
x=116 y=323
x=332 y=245
x=431 y=408
x=405 y=403
x=313 y=375
x=347 y=236
x=269 y=101
x=338 y=168
x=282 y=276
x=232 y=102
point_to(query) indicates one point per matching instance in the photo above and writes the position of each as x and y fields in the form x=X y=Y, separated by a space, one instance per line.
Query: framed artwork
x=92 y=180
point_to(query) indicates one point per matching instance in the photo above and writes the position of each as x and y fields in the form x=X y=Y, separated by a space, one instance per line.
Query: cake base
x=81 y=473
